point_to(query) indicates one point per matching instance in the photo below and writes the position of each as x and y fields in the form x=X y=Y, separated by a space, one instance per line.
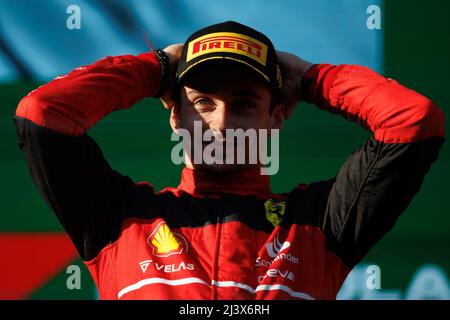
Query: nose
x=222 y=118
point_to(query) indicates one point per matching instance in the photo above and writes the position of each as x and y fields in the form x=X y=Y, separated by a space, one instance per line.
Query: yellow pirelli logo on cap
x=227 y=42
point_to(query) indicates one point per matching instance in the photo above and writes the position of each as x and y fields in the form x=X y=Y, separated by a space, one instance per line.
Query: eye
x=203 y=102
x=245 y=104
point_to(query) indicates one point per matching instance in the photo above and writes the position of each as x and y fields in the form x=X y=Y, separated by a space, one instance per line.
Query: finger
x=168 y=104
x=174 y=50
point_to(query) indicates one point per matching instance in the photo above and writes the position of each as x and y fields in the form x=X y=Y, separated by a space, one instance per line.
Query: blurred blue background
x=35 y=41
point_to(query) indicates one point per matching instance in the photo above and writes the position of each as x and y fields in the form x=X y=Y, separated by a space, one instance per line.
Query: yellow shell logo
x=164 y=242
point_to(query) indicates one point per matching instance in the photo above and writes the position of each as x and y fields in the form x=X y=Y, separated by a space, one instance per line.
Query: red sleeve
x=73 y=103
x=394 y=113
x=379 y=179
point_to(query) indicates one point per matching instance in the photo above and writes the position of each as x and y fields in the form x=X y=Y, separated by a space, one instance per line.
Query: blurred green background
x=313 y=146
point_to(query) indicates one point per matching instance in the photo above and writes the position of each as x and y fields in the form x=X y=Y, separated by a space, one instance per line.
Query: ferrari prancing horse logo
x=274 y=211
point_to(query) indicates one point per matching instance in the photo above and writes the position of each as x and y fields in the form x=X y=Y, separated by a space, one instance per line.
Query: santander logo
x=275 y=247
x=275 y=250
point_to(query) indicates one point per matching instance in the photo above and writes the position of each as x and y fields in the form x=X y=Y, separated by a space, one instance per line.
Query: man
x=222 y=234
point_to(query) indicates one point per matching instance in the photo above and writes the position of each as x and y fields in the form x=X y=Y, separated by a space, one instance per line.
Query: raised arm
x=379 y=180
x=67 y=166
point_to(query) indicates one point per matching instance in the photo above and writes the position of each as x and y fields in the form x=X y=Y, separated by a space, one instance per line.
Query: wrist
x=307 y=81
x=163 y=60
x=317 y=82
x=303 y=76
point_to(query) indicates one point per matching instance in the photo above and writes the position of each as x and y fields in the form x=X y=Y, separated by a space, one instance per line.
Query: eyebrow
x=238 y=93
x=192 y=91
x=247 y=93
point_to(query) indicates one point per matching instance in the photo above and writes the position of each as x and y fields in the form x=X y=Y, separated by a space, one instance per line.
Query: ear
x=175 y=118
x=277 y=117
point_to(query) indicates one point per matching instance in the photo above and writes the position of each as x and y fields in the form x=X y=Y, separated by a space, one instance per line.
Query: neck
x=247 y=181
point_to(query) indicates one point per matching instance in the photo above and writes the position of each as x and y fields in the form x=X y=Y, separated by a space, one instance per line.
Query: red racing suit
x=229 y=237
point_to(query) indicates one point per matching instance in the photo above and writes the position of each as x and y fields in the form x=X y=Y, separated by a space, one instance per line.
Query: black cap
x=231 y=41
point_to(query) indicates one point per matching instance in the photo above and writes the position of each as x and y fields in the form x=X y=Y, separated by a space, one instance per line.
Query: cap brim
x=191 y=67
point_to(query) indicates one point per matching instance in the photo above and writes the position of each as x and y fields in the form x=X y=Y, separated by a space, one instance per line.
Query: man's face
x=225 y=96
